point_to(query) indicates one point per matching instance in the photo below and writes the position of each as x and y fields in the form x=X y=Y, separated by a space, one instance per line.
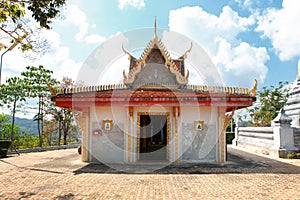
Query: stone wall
x=278 y=140
x=256 y=138
x=297 y=137
x=284 y=135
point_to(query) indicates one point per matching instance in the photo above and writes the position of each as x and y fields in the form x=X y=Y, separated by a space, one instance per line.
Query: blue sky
x=246 y=40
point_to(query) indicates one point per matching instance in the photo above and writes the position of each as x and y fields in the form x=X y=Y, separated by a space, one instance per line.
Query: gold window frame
x=104 y=122
x=196 y=125
x=167 y=114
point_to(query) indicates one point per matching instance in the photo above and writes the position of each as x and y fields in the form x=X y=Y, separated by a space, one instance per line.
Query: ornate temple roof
x=107 y=95
x=156 y=68
x=154 y=78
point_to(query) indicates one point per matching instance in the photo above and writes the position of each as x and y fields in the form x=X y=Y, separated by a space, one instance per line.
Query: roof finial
x=187 y=51
x=155 y=34
x=253 y=89
x=126 y=52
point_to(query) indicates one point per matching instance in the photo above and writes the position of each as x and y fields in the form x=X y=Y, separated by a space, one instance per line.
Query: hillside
x=27 y=125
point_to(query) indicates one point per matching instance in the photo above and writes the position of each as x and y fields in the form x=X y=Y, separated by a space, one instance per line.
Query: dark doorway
x=153 y=137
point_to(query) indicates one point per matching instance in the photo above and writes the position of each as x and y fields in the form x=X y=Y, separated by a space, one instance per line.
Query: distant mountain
x=27 y=125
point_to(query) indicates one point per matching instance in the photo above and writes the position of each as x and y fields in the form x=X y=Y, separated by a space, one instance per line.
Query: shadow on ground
x=236 y=164
x=31 y=168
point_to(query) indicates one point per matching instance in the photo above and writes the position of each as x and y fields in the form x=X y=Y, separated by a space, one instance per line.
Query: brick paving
x=61 y=175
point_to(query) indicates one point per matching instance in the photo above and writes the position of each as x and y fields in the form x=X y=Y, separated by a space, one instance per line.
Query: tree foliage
x=4 y=119
x=14 y=89
x=36 y=80
x=55 y=125
x=63 y=117
x=43 y=11
x=12 y=93
x=13 y=13
x=272 y=100
x=16 y=29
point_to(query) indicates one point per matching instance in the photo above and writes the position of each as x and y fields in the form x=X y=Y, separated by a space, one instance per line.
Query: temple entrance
x=153 y=137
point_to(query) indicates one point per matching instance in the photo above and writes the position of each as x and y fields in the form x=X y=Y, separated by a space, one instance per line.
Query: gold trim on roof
x=184 y=56
x=52 y=89
x=169 y=63
x=126 y=52
x=155 y=33
x=196 y=88
x=252 y=91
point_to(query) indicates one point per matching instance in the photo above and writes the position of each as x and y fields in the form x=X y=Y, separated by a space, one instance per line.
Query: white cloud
x=134 y=3
x=94 y=38
x=57 y=59
x=78 y=18
x=281 y=27
x=205 y=27
x=246 y=4
x=234 y=59
x=242 y=63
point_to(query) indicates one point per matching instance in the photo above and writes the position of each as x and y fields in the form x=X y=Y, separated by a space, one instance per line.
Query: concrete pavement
x=61 y=175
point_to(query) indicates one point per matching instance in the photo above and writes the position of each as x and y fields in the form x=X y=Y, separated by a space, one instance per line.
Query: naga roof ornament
x=184 y=56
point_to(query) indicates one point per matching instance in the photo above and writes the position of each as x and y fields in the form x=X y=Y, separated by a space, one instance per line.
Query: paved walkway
x=61 y=175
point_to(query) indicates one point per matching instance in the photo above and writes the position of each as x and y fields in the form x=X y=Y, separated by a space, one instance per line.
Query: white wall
x=194 y=146
x=198 y=146
x=110 y=147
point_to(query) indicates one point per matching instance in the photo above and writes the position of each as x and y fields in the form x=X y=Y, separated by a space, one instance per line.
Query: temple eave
x=228 y=102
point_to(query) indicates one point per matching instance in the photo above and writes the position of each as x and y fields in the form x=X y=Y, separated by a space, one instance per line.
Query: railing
x=50 y=148
x=256 y=137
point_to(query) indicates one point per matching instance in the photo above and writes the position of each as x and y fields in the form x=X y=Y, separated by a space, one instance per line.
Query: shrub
x=4 y=146
x=289 y=156
x=229 y=137
x=298 y=155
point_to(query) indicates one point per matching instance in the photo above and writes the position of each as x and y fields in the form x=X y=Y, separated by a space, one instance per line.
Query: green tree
x=50 y=128
x=43 y=12
x=21 y=139
x=6 y=129
x=12 y=93
x=272 y=100
x=4 y=119
x=36 y=80
x=16 y=29
x=24 y=140
x=63 y=117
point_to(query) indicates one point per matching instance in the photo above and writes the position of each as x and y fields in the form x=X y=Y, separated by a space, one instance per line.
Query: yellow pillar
x=175 y=122
x=221 y=118
x=224 y=121
x=83 y=121
x=129 y=132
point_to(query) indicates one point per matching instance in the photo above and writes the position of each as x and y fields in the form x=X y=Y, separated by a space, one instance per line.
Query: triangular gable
x=155 y=53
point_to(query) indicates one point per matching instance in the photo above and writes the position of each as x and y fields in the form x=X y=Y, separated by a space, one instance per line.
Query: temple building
x=155 y=114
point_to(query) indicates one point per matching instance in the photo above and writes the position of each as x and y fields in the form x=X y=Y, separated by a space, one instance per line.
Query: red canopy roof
x=149 y=97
